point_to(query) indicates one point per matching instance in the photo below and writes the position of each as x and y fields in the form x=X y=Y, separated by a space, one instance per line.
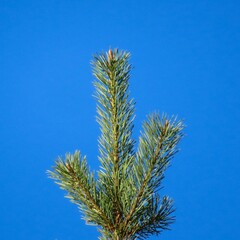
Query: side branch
x=73 y=176
x=148 y=175
x=90 y=201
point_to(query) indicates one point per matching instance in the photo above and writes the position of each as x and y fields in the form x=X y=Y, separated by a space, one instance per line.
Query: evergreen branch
x=73 y=176
x=115 y=116
x=145 y=180
x=156 y=148
x=115 y=125
x=156 y=219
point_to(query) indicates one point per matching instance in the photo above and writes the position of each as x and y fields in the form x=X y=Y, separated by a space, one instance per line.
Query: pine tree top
x=123 y=200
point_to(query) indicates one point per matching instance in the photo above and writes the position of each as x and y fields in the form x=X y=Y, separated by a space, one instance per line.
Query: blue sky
x=186 y=62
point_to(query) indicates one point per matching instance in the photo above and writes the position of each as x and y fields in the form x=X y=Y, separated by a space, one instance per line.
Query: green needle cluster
x=123 y=200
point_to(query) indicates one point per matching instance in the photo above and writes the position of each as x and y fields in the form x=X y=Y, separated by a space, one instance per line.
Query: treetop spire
x=123 y=200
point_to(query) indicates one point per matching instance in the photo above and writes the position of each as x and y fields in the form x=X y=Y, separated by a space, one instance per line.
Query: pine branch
x=156 y=219
x=115 y=117
x=146 y=178
x=156 y=148
x=73 y=176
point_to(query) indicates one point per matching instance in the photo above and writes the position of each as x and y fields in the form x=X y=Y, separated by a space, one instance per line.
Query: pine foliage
x=123 y=199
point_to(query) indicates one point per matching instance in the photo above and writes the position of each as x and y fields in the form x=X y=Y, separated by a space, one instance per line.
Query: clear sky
x=186 y=58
